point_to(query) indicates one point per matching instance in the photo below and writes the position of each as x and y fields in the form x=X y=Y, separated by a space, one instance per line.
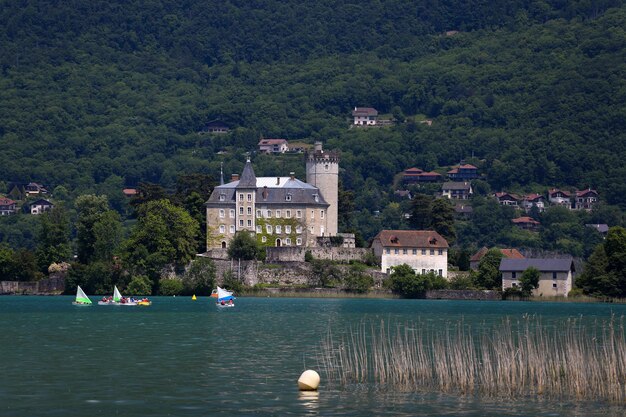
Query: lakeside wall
x=52 y=285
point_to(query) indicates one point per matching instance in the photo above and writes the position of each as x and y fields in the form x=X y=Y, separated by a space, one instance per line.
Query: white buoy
x=309 y=381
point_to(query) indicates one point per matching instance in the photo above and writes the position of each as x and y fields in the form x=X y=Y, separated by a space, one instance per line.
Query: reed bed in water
x=570 y=359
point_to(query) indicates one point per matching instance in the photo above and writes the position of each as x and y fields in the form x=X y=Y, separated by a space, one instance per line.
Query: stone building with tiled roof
x=424 y=250
x=279 y=211
x=556 y=275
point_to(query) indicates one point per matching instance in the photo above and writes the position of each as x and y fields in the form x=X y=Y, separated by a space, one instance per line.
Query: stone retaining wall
x=52 y=285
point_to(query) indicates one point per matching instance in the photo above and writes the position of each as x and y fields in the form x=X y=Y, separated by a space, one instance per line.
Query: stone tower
x=245 y=197
x=322 y=171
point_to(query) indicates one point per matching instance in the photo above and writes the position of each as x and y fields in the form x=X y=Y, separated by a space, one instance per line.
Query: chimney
x=234 y=177
x=292 y=175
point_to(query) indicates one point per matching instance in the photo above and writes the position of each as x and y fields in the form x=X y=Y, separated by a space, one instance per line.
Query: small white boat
x=117 y=300
x=225 y=298
x=81 y=298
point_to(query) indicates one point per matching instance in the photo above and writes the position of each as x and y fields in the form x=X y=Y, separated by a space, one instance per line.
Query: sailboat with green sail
x=81 y=298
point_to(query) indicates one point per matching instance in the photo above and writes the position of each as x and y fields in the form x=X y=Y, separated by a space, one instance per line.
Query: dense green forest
x=101 y=95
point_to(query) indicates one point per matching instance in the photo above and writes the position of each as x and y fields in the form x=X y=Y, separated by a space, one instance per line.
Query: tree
x=529 y=281
x=199 y=278
x=53 y=238
x=488 y=275
x=243 y=246
x=405 y=282
x=421 y=211
x=139 y=285
x=357 y=279
x=163 y=235
x=442 y=219
x=91 y=210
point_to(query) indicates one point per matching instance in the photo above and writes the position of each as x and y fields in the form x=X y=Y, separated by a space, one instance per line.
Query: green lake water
x=180 y=357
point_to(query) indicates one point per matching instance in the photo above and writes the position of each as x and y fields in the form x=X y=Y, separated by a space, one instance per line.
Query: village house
x=7 y=206
x=586 y=199
x=40 y=206
x=423 y=250
x=33 y=188
x=217 y=127
x=273 y=146
x=365 y=116
x=556 y=279
x=534 y=200
x=129 y=192
x=601 y=228
x=560 y=198
x=457 y=190
x=508 y=199
x=415 y=175
x=278 y=211
x=463 y=172
x=526 y=223
x=509 y=253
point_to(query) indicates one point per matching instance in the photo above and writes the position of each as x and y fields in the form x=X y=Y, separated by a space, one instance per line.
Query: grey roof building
x=556 y=274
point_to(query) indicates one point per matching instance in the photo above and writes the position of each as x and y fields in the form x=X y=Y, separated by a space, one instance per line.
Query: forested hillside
x=100 y=95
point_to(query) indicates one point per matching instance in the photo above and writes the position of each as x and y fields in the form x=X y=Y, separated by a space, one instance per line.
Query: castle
x=279 y=211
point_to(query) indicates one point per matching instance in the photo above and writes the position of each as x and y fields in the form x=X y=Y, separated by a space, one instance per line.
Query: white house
x=273 y=145
x=40 y=206
x=424 y=250
x=365 y=116
x=557 y=275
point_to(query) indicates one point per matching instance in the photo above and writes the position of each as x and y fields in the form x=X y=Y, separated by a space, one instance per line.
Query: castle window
x=222 y=197
x=222 y=228
x=264 y=239
x=326 y=167
x=440 y=252
x=222 y=213
x=441 y=272
x=269 y=214
x=316 y=198
x=312 y=230
x=388 y=251
x=278 y=229
x=249 y=223
x=423 y=251
x=287 y=229
x=278 y=214
x=241 y=223
x=240 y=210
x=249 y=197
x=268 y=228
x=249 y=210
x=299 y=241
x=321 y=214
x=404 y=252
x=288 y=214
x=395 y=251
x=298 y=214
x=232 y=228
x=258 y=214
x=312 y=214
x=232 y=213
x=259 y=229
x=288 y=197
x=414 y=251
x=432 y=252
x=241 y=197
x=288 y=242
x=298 y=229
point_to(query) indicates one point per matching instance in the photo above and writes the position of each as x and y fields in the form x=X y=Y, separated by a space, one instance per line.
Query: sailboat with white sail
x=81 y=298
x=224 y=298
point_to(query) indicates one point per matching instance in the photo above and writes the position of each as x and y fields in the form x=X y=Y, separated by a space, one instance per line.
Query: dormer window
x=316 y=198
x=222 y=197
x=288 y=197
